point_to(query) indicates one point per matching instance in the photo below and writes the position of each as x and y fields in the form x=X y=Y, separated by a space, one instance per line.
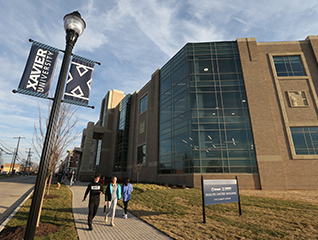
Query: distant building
x=70 y=162
x=8 y=167
x=217 y=109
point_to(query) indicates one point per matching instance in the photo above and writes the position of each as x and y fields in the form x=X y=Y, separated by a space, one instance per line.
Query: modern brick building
x=217 y=109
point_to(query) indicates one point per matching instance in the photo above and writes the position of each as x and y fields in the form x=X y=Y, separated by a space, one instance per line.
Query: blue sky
x=131 y=39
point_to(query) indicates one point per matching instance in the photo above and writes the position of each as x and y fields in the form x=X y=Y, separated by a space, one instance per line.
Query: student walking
x=112 y=194
x=72 y=179
x=126 y=188
x=95 y=189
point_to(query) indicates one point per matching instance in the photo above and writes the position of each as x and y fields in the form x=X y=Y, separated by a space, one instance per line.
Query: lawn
x=178 y=213
x=57 y=210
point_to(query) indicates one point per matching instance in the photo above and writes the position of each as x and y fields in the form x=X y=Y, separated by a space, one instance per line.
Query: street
x=13 y=190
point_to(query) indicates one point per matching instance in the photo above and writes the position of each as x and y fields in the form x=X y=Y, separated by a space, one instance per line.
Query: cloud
x=132 y=39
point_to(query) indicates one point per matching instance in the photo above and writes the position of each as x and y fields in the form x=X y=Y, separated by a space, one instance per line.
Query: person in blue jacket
x=126 y=189
x=112 y=194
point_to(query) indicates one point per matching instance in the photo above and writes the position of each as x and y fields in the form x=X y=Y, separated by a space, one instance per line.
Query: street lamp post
x=74 y=26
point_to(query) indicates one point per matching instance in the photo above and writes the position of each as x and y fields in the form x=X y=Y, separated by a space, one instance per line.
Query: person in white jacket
x=112 y=194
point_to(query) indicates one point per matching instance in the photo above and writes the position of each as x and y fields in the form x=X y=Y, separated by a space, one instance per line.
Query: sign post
x=220 y=191
x=238 y=194
x=203 y=200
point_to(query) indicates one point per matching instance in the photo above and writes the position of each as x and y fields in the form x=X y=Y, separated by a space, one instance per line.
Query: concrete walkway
x=131 y=228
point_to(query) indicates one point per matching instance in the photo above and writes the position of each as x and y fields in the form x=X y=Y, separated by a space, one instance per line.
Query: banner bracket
x=60 y=50
x=29 y=93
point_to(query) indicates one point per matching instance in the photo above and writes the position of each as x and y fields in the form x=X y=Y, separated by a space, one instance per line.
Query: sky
x=131 y=39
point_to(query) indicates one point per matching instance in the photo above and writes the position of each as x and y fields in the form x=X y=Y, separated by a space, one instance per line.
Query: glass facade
x=305 y=140
x=204 y=119
x=289 y=66
x=120 y=164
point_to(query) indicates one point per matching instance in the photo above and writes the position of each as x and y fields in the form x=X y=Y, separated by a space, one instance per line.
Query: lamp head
x=74 y=21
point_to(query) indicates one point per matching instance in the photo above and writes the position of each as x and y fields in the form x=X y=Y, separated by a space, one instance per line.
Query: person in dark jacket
x=95 y=189
x=112 y=194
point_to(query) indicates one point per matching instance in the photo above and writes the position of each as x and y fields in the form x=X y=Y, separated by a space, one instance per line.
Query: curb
x=16 y=210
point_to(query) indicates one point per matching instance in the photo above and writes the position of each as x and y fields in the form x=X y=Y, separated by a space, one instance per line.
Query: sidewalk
x=131 y=228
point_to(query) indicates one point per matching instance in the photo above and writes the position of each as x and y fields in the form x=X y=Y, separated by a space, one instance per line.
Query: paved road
x=13 y=190
x=131 y=228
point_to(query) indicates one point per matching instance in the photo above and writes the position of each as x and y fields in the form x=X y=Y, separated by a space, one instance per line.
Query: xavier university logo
x=38 y=72
x=79 y=81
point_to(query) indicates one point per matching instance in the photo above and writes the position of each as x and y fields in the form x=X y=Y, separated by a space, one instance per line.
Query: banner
x=38 y=72
x=79 y=81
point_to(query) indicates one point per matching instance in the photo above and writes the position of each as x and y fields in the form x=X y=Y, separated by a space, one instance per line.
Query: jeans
x=111 y=208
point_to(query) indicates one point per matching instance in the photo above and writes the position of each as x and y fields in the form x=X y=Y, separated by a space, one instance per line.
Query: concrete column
x=86 y=172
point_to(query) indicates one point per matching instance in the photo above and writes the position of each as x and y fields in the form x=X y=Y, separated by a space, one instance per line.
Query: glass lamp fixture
x=74 y=21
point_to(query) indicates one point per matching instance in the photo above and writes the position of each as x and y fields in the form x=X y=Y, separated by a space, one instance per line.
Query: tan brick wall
x=272 y=115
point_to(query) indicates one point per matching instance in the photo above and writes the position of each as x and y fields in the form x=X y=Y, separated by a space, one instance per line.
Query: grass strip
x=57 y=210
x=178 y=213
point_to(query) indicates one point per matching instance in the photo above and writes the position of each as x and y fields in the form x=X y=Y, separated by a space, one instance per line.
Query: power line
x=2 y=150
x=8 y=151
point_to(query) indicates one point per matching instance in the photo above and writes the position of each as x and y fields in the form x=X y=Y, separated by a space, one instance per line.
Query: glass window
x=120 y=163
x=141 y=154
x=179 y=74
x=165 y=114
x=236 y=139
x=211 y=163
x=211 y=154
x=181 y=143
x=180 y=106
x=143 y=104
x=305 y=140
x=209 y=89
x=204 y=100
x=165 y=147
x=289 y=66
x=232 y=100
x=165 y=85
x=227 y=65
x=203 y=66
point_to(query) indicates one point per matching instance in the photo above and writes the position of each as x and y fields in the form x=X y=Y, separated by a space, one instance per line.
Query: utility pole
x=1 y=150
x=28 y=161
x=1 y=163
x=15 y=155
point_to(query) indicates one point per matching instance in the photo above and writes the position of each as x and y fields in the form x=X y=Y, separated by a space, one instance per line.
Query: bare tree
x=63 y=137
x=138 y=169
